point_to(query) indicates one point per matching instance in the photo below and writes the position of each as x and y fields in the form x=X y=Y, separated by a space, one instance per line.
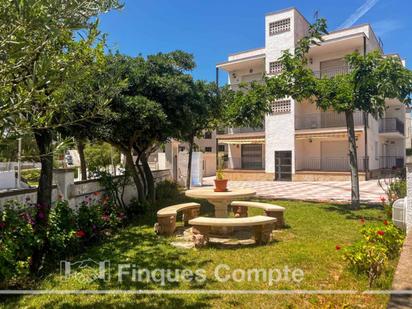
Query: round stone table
x=220 y=200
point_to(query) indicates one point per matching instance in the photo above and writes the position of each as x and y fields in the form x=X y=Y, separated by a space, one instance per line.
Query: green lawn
x=308 y=243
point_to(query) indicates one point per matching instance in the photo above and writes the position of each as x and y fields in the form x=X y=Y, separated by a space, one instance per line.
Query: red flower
x=80 y=234
x=381 y=233
x=96 y=193
x=338 y=247
x=385 y=222
x=2 y=225
x=105 y=218
x=383 y=199
x=362 y=221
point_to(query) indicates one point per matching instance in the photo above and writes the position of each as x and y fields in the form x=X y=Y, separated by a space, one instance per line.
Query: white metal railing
x=325 y=120
x=328 y=163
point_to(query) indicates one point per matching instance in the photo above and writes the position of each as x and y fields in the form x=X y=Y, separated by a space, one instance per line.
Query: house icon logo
x=85 y=271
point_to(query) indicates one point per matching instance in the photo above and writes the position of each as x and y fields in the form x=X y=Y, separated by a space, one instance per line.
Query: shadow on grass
x=356 y=214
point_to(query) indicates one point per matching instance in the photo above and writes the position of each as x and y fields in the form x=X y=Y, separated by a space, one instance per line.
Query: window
x=208 y=135
x=281 y=106
x=279 y=26
x=221 y=148
x=208 y=149
x=275 y=67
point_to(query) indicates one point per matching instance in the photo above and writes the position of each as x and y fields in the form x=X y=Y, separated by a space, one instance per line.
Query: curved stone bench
x=240 y=210
x=166 y=217
x=262 y=226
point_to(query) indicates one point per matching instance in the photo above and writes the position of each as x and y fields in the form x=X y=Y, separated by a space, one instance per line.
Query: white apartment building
x=299 y=142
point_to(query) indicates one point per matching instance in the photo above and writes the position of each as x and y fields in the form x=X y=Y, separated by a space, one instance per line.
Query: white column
x=64 y=179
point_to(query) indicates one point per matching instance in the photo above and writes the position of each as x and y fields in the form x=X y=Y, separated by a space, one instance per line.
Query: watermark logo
x=86 y=271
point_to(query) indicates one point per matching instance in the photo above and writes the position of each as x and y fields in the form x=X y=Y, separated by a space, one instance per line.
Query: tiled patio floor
x=335 y=191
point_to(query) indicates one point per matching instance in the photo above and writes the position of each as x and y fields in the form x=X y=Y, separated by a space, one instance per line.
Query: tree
x=202 y=111
x=41 y=66
x=148 y=110
x=101 y=155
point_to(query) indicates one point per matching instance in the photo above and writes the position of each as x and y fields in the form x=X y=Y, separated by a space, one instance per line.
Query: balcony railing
x=239 y=130
x=325 y=120
x=335 y=164
x=391 y=162
x=391 y=125
x=333 y=71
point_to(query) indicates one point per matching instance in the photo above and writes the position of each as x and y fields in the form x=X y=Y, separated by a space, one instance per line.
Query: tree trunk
x=189 y=163
x=83 y=166
x=353 y=161
x=132 y=169
x=44 y=140
x=149 y=178
x=141 y=172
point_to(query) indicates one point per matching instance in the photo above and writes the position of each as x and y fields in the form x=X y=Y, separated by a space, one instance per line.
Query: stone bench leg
x=262 y=233
x=280 y=223
x=240 y=211
x=189 y=214
x=200 y=235
x=167 y=225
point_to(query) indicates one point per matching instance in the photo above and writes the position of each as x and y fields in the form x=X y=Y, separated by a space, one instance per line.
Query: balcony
x=332 y=164
x=233 y=131
x=391 y=126
x=391 y=162
x=323 y=120
x=333 y=71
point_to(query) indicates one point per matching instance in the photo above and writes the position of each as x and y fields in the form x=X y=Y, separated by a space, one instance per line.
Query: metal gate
x=283 y=165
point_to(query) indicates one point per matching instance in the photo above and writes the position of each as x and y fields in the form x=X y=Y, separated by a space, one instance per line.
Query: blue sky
x=212 y=29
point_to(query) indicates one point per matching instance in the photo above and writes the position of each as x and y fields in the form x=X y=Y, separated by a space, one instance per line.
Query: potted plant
x=220 y=182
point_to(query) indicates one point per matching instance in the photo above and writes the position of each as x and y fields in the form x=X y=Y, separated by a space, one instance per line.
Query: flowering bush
x=66 y=230
x=370 y=255
x=387 y=235
x=62 y=227
x=366 y=257
x=17 y=240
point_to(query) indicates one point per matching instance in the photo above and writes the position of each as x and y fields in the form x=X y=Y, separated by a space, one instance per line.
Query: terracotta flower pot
x=221 y=185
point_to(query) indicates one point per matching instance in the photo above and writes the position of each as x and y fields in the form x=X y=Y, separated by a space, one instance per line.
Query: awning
x=243 y=141
x=306 y=134
x=242 y=138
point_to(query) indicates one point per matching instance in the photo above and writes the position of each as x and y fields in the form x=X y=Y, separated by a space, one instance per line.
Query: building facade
x=297 y=141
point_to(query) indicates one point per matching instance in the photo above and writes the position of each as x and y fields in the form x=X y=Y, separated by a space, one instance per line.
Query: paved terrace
x=334 y=191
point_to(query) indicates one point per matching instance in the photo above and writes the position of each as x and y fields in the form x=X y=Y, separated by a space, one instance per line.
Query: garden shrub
x=387 y=235
x=397 y=190
x=67 y=229
x=167 y=190
x=62 y=229
x=17 y=240
x=370 y=255
x=367 y=258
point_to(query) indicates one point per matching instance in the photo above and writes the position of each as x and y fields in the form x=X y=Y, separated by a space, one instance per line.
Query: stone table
x=221 y=200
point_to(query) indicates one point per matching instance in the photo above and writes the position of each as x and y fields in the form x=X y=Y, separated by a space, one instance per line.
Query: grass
x=314 y=229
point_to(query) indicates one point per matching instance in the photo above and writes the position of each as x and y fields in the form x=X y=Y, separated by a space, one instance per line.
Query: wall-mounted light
x=310 y=140
x=251 y=71
x=311 y=60
x=234 y=75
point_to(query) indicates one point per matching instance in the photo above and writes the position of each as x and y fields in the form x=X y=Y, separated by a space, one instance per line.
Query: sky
x=213 y=29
